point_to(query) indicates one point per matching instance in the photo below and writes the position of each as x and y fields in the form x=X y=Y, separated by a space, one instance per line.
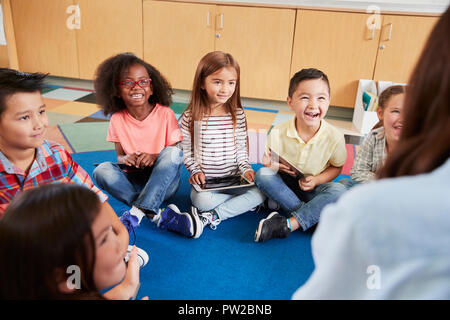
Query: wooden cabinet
x=346 y=47
x=261 y=41
x=402 y=40
x=44 y=43
x=176 y=37
x=339 y=44
x=259 y=38
x=107 y=27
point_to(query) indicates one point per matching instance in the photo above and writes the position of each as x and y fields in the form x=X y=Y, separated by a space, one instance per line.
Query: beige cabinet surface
x=176 y=37
x=401 y=42
x=347 y=48
x=48 y=39
x=338 y=43
x=261 y=41
x=44 y=43
x=259 y=38
x=107 y=27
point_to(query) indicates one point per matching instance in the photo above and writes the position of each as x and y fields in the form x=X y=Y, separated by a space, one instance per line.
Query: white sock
x=135 y=211
x=156 y=217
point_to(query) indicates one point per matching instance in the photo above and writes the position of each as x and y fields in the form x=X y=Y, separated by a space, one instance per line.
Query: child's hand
x=145 y=160
x=267 y=162
x=198 y=178
x=130 y=159
x=131 y=280
x=249 y=175
x=308 y=183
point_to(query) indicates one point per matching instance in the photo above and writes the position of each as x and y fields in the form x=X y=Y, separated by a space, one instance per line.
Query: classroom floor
x=224 y=264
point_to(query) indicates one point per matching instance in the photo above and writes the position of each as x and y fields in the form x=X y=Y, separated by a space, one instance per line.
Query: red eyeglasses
x=143 y=83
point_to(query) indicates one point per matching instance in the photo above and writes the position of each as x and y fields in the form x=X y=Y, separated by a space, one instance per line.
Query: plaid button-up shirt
x=370 y=157
x=52 y=164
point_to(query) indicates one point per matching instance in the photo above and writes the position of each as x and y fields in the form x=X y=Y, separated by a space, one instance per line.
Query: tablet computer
x=223 y=183
x=277 y=158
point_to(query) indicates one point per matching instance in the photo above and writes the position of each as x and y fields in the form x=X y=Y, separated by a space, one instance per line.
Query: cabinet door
x=44 y=42
x=108 y=27
x=401 y=42
x=260 y=39
x=176 y=36
x=339 y=44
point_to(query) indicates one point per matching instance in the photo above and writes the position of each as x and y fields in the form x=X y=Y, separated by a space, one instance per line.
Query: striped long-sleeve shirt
x=218 y=151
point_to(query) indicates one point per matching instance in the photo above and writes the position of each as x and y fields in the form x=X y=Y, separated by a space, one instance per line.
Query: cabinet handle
x=207 y=19
x=221 y=21
x=373 y=32
x=390 y=32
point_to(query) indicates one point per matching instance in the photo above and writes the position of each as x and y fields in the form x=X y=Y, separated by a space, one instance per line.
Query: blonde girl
x=383 y=138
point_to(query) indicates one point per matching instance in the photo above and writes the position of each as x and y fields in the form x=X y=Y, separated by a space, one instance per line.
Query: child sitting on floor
x=146 y=134
x=314 y=147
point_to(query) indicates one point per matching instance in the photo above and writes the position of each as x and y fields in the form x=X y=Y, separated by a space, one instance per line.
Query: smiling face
x=109 y=267
x=310 y=102
x=23 y=122
x=392 y=118
x=136 y=95
x=220 y=86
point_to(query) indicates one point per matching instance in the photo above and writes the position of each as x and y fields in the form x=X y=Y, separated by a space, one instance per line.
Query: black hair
x=45 y=230
x=109 y=73
x=13 y=81
x=306 y=74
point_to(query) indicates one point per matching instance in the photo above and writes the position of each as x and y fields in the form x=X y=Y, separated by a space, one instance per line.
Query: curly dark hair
x=109 y=73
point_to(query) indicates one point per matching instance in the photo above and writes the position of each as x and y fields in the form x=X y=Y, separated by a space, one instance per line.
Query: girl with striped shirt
x=215 y=140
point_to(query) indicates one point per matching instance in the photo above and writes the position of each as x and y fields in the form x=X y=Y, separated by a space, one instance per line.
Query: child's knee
x=264 y=175
x=105 y=172
x=171 y=156
x=335 y=188
x=202 y=200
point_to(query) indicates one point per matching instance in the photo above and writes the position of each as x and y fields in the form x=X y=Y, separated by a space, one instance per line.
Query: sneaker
x=208 y=219
x=130 y=222
x=274 y=226
x=141 y=255
x=184 y=223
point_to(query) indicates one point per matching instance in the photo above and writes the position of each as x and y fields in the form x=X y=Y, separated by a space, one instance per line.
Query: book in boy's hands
x=223 y=183
x=277 y=158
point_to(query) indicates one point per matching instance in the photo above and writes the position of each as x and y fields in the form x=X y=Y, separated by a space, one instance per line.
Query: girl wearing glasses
x=146 y=134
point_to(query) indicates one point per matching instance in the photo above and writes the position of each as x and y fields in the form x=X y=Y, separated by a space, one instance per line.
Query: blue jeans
x=304 y=206
x=348 y=182
x=227 y=203
x=143 y=188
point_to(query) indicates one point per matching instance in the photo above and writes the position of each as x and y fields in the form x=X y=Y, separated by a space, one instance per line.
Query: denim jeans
x=143 y=188
x=304 y=206
x=348 y=182
x=227 y=203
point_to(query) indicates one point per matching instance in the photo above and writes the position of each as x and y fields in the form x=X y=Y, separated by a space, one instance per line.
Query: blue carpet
x=222 y=264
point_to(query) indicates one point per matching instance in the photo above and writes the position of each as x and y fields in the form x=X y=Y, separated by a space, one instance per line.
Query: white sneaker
x=141 y=255
x=207 y=218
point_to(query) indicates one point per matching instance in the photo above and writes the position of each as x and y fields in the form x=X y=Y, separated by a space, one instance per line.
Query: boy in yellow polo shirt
x=314 y=147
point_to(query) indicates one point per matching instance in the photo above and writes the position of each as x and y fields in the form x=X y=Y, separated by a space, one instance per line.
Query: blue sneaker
x=130 y=222
x=184 y=223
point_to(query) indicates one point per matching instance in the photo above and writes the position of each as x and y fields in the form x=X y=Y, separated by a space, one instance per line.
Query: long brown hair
x=198 y=105
x=44 y=231
x=425 y=140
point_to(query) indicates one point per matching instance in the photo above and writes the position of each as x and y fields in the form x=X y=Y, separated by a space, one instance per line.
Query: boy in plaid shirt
x=27 y=160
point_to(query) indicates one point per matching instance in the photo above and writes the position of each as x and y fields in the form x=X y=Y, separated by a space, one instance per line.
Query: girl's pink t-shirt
x=159 y=130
